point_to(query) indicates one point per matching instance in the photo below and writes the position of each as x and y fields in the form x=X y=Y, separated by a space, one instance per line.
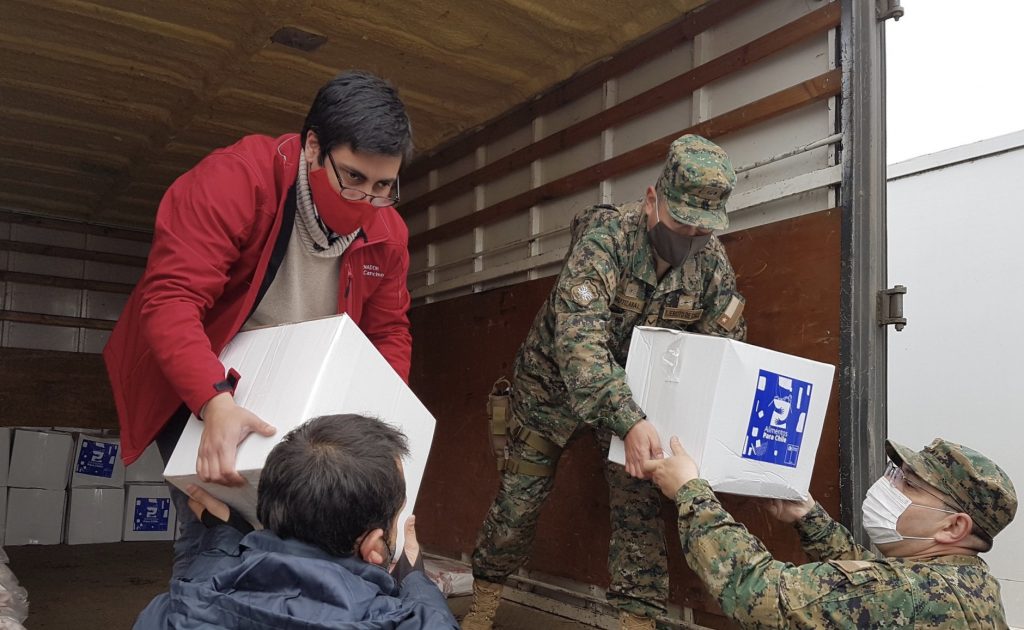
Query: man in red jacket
x=266 y=231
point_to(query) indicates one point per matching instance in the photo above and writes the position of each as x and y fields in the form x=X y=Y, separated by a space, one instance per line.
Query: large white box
x=97 y=462
x=149 y=512
x=750 y=417
x=40 y=459
x=148 y=468
x=295 y=372
x=34 y=516
x=5 y=454
x=95 y=515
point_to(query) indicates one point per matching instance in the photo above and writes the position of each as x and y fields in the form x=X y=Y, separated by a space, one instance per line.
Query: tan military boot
x=486 y=597
x=633 y=622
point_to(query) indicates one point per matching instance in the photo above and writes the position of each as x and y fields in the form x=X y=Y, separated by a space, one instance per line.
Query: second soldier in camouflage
x=930 y=516
x=649 y=263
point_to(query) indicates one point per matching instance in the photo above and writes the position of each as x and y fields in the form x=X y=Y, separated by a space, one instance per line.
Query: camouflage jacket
x=846 y=586
x=575 y=353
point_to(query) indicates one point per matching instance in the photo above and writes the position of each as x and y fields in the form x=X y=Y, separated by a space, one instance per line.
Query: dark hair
x=331 y=480
x=363 y=111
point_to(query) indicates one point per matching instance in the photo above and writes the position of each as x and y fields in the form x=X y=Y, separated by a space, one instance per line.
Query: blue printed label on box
x=777 y=419
x=97 y=459
x=151 y=515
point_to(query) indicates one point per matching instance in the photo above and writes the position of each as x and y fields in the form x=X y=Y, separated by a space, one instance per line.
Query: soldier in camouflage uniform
x=930 y=516
x=654 y=263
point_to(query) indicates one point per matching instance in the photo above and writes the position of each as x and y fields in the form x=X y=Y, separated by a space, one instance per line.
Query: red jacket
x=215 y=236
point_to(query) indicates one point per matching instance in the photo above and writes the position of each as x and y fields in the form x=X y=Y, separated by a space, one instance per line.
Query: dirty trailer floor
x=103 y=587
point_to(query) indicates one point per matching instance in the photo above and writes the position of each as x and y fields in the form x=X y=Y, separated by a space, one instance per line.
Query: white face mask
x=882 y=508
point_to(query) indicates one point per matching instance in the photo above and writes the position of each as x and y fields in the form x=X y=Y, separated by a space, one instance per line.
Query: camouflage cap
x=975 y=483
x=697 y=180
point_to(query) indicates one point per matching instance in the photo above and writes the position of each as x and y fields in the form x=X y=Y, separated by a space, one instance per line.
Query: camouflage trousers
x=637 y=561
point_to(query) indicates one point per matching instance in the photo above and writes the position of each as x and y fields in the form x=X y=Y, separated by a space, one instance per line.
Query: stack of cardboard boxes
x=68 y=485
x=96 y=496
x=38 y=481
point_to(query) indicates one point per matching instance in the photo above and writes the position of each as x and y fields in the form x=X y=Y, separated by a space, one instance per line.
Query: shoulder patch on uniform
x=584 y=293
x=730 y=317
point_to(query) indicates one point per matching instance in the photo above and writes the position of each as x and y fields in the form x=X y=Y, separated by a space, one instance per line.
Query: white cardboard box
x=751 y=418
x=148 y=468
x=95 y=515
x=97 y=462
x=295 y=372
x=34 y=516
x=148 y=512
x=5 y=454
x=3 y=515
x=40 y=459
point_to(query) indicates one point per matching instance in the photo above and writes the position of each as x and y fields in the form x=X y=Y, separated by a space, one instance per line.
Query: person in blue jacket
x=329 y=498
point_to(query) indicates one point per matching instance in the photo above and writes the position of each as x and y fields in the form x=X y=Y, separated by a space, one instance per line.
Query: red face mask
x=340 y=215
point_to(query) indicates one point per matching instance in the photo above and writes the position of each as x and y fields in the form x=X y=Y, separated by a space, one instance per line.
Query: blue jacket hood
x=263 y=581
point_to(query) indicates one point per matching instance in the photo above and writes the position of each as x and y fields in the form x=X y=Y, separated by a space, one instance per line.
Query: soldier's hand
x=642 y=444
x=789 y=511
x=412 y=544
x=672 y=473
x=225 y=425
x=200 y=500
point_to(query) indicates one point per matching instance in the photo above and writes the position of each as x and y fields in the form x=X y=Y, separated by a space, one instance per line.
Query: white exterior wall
x=533 y=244
x=955 y=221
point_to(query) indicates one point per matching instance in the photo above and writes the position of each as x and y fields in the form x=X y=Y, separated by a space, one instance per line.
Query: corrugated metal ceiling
x=103 y=104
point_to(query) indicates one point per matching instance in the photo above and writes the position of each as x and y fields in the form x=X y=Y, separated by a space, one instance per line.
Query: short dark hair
x=333 y=479
x=362 y=111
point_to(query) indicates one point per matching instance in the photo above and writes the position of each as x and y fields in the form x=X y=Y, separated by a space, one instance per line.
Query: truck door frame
x=862 y=373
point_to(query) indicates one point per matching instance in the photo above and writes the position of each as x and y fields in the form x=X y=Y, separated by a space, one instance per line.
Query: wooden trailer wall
x=62 y=287
x=489 y=220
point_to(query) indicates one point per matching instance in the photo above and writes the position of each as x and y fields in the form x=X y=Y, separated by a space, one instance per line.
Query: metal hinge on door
x=886 y=9
x=890 y=307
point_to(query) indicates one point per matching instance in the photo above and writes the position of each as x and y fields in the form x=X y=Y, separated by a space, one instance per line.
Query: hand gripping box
x=295 y=372
x=751 y=418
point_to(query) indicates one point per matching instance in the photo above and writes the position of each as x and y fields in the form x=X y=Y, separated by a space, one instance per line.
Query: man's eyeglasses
x=354 y=194
x=897 y=477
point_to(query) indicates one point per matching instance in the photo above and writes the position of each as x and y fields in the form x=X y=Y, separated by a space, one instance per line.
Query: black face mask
x=675 y=249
